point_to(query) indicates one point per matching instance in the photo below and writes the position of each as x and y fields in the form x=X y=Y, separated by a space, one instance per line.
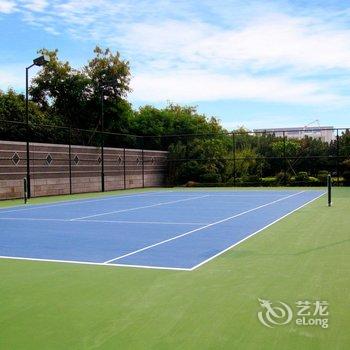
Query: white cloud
x=7 y=6
x=163 y=30
x=266 y=121
x=246 y=50
x=278 y=41
x=187 y=86
x=35 y=5
x=11 y=76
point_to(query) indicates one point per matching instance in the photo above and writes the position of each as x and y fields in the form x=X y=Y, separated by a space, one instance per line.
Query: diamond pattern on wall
x=15 y=158
x=49 y=159
x=119 y=160
x=76 y=160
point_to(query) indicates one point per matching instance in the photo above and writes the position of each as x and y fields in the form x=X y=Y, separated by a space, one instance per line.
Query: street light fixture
x=39 y=61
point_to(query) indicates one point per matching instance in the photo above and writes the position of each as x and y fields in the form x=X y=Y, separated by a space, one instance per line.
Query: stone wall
x=51 y=166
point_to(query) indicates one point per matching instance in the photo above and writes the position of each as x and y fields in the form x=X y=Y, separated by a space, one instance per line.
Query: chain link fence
x=91 y=160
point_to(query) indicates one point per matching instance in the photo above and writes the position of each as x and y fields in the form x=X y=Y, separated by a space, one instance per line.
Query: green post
x=329 y=188
x=25 y=190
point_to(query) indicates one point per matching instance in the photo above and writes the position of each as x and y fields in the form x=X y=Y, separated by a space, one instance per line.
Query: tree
x=108 y=73
x=313 y=156
x=245 y=162
x=183 y=123
x=61 y=91
x=109 y=79
x=344 y=144
x=75 y=95
x=12 y=117
x=202 y=159
x=286 y=148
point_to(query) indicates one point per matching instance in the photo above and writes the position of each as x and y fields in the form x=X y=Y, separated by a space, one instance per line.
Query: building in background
x=324 y=133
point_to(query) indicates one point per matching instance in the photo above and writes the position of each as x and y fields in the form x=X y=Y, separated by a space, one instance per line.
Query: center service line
x=203 y=227
x=137 y=208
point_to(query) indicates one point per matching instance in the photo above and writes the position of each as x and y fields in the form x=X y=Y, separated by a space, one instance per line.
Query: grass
x=303 y=257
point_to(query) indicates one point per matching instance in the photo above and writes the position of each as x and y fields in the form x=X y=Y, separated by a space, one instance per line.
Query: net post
x=329 y=189
x=25 y=190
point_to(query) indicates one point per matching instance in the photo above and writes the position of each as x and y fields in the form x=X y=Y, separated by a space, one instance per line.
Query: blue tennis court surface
x=160 y=229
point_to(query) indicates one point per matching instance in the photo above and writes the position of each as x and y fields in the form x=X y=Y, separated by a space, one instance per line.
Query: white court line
x=95 y=263
x=173 y=193
x=34 y=219
x=73 y=201
x=156 y=267
x=137 y=208
x=202 y=228
x=145 y=222
x=108 y=221
x=254 y=233
x=252 y=195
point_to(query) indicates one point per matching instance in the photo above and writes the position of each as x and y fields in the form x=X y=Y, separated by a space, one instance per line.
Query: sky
x=257 y=64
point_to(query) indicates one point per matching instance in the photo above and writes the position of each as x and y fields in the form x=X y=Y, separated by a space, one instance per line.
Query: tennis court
x=161 y=229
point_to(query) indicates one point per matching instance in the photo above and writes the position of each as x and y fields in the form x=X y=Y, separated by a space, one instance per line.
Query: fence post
x=28 y=165
x=143 y=162
x=338 y=175
x=102 y=143
x=102 y=164
x=124 y=168
x=70 y=160
x=186 y=149
x=285 y=159
x=234 y=158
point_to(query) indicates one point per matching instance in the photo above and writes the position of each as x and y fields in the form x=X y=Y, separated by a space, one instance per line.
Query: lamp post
x=39 y=61
x=102 y=86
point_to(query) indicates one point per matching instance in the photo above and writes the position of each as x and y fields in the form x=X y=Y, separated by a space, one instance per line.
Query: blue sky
x=252 y=63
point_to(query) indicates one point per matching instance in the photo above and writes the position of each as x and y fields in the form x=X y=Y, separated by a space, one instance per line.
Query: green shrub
x=283 y=178
x=314 y=181
x=189 y=171
x=251 y=180
x=302 y=176
x=192 y=184
x=232 y=181
x=346 y=163
x=346 y=177
x=210 y=178
x=269 y=181
x=322 y=176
